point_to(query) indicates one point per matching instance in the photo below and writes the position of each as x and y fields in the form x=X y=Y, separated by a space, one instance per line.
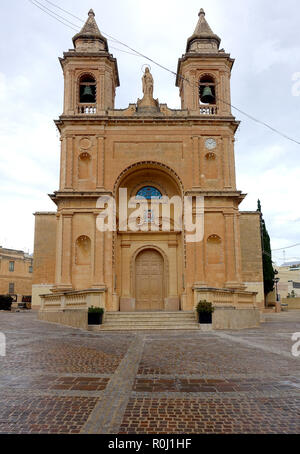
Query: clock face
x=210 y=144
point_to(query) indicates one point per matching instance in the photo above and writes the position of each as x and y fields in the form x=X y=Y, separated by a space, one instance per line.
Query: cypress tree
x=268 y=270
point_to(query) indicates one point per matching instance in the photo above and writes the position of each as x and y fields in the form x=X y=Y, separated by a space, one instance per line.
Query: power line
x=52 y=15
x=61 y=17
x=37 y=3
x=287 y=247
x=124 y=51
x=261 y=122
x=64 y=10
x=163 y=67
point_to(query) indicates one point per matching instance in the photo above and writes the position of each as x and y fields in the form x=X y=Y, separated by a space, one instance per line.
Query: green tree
x=268 y=269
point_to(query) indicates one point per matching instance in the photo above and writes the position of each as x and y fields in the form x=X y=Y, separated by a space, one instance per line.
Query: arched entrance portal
x=148 y=257
x=149 y=281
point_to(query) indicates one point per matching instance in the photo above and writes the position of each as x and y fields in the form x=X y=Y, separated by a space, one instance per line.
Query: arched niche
x=211 y=166
x=84 y=166
x=214 y=250
x=83 y=250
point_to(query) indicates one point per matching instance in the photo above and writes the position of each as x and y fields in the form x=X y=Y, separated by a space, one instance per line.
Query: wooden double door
x=149 y=281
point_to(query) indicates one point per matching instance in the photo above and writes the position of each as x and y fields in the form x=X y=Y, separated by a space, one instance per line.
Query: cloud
x=271 y=53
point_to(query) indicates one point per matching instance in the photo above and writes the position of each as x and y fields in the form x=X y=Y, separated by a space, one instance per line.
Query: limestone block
x=172 y=304
x=224 y=318
x=127 y=304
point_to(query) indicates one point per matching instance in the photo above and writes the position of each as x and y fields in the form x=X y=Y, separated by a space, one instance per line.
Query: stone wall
x=44 y=255
x=37 y=290
x=252 y=272
x=229 y=318
x=293 y=303
x=76 y=318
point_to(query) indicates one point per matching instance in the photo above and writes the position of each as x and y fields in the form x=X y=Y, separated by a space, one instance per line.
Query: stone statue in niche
x=147 y=80
x=147 y=104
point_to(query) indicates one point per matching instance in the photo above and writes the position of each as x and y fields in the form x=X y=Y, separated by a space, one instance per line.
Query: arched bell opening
x=87 y=89
x=207 y=90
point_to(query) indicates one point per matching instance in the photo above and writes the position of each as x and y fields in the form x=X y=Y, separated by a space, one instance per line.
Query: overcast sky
x=263 y=37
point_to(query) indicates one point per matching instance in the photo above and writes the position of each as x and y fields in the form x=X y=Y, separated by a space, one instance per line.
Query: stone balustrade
x=87 y=109
x=73 y=300
x=91 y=109
x=238 y=299
x=50 y=303
x=208 y=109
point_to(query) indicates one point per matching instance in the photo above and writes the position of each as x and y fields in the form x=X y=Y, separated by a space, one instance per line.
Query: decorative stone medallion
x=85 y=143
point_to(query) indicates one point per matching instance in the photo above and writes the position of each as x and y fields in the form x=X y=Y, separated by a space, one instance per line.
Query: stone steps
x=126 y=321
x=144 y=316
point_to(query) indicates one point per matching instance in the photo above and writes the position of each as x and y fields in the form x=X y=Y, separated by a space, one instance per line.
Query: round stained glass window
x=149 y=192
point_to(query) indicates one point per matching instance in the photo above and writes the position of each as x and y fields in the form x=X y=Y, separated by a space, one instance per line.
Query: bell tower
x=203 y=74
x=203 y=78
x=90 y=72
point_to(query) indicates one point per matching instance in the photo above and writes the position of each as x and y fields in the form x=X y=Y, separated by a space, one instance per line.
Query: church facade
x=135 y=161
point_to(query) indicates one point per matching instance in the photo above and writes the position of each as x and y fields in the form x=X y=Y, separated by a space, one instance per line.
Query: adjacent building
x=289 y=279
x=16 y=271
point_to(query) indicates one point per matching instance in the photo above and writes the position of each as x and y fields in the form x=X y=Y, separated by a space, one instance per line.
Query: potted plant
x=95 y=315
x=205 y=310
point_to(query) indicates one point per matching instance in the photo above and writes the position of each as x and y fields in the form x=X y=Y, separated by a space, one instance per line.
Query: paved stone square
x=56 y=379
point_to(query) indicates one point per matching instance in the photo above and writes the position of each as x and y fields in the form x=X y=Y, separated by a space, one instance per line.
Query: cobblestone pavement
x=57 y=379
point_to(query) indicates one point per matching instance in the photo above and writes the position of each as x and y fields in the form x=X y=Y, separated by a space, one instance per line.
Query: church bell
x=207 y=95
x=87 y=94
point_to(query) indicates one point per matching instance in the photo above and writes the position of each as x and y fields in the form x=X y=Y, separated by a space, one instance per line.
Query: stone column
x=173 y=274
x=100 y=161
x=194 y=90
x=171 y=302
x=237 y=240
x=62 y=162
x=73 y=92
x=127 y=303
x=125 y=261
x=232 y=162
x=231 y=252
x=67 y=250
x=67 y=91
x=101 y=93
x=58 y=261
x=68 y=184
x=199 y=264
x=226 y=163
x=98 y=257
x=196 y=162
x=199 y=256
x=229 y=249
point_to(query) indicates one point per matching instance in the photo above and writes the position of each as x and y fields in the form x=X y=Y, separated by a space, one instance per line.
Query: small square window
x=11 y=266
